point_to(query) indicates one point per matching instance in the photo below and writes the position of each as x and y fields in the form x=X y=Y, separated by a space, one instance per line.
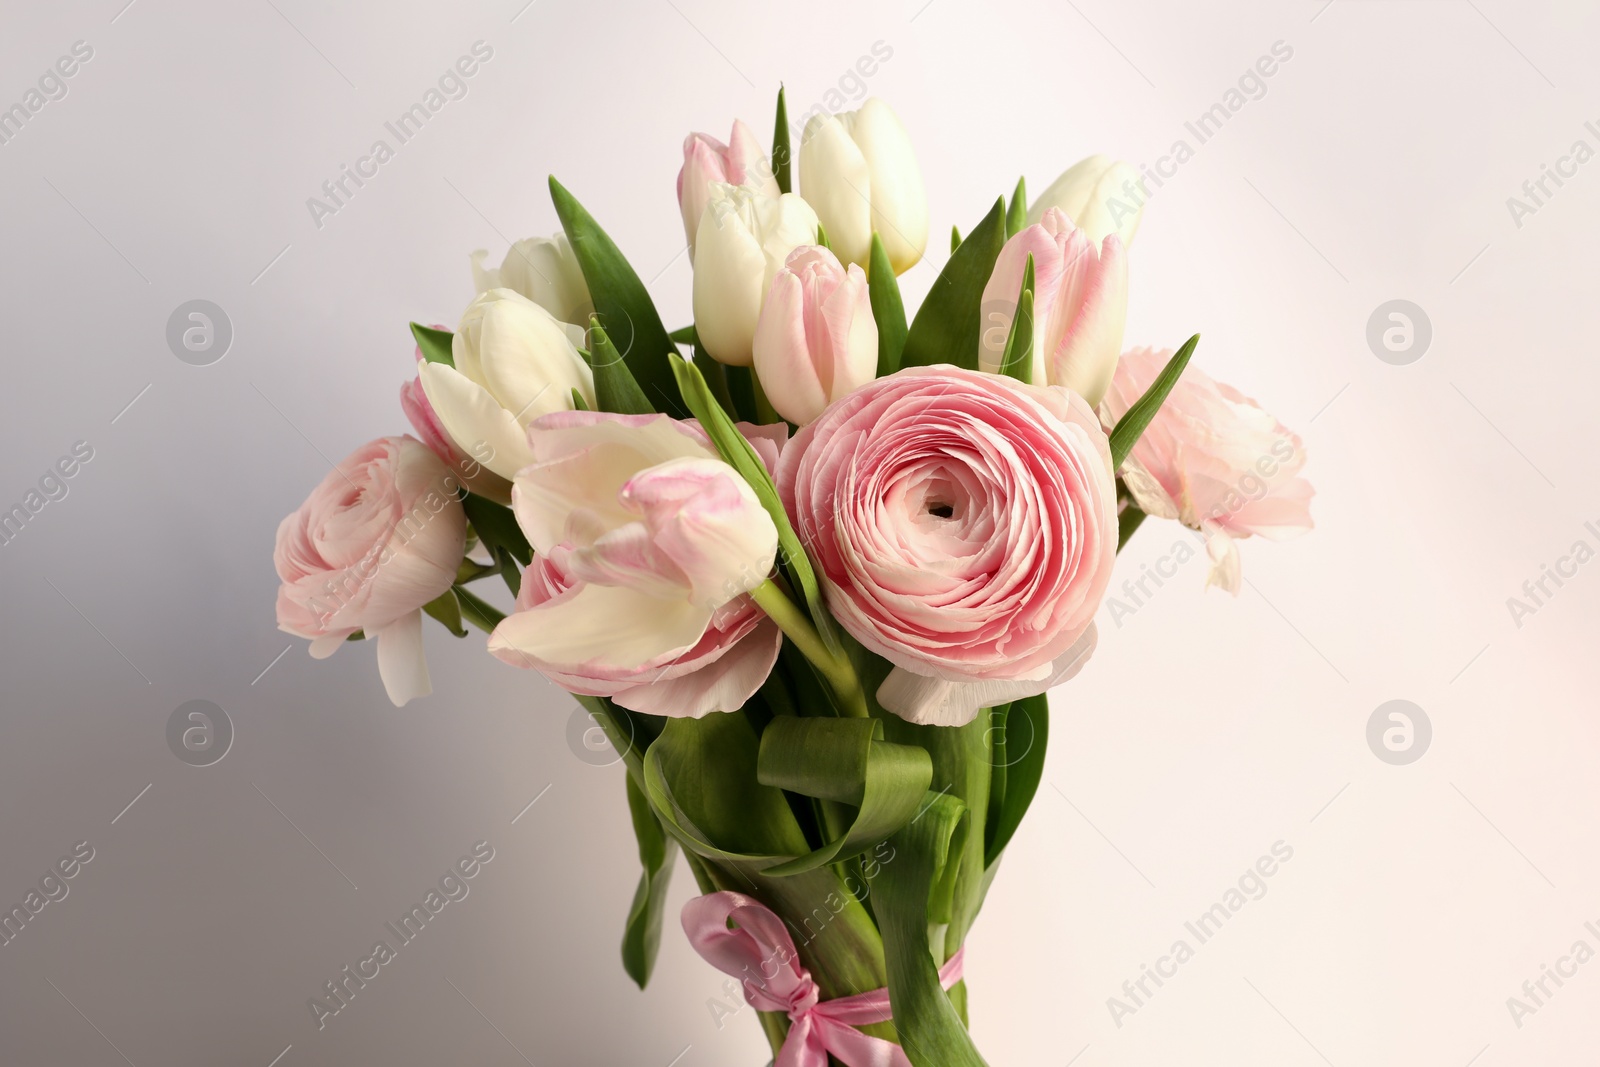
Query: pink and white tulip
x=647 y=546
x=706 y=159
x=816 y=339
x=964 y=526
x=381 y=536
x=1213 y=460
x=1080 y=303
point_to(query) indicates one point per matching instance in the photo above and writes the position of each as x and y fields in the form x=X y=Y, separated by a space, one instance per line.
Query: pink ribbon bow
x=760 y=953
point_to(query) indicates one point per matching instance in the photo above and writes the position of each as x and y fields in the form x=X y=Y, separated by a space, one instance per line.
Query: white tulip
x=859 y=173
x=544 y=270
x=743 y=240
x=1100 y=195
x=513 y=362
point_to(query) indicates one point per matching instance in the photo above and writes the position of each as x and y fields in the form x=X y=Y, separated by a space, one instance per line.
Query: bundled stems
x=837 y=670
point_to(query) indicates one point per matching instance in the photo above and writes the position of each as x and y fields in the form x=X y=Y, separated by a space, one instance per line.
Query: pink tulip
x=706 y=159
x=964 y=526
x=1213 y=460
x=1080 y=300
x=425 y=421
x=647 y=546
x=815 y=340
x=381 y=536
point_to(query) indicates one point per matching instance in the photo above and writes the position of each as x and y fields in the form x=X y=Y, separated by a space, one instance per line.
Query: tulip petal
x=475 y=420
x=836 y=180
x=899 y=202
x=723 y=685
x=600 y=631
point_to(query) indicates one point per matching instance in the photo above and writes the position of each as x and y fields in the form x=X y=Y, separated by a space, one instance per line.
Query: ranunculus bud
x=647 y=544
x=544 y=270
x=744 y=237
x=816 y=339
x=1213 y=460
x=859 y=173
x=706 y=159
x=381 y=536
x=513 y=363
x=1100 y=195
x=1079 y=306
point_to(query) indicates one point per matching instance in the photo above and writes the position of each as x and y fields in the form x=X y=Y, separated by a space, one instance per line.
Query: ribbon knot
x=760 y=953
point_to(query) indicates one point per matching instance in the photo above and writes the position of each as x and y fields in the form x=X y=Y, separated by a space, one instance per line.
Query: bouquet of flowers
x=811 y=563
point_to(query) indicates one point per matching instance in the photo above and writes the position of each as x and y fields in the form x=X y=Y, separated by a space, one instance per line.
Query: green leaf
x=914 y=895
x=822 y=237
x=435 y=344
x=1127 y=522
x=621 y=301
x=578 y=402
x=888 y=311
x=955 y=238
x=471 y=571
x=716 y=376
x=1018 y=359
x=641 y=936
x=447 y=609
x=497 y=527
x=508 y=570
x=1136 y=418
x=846 y=761
x=736 y=451
x=615 y=388
x=683 y=335
x=1017 y=213
x=949 y=324
x=741 y=387
x=780 y=144
x=1018 y=751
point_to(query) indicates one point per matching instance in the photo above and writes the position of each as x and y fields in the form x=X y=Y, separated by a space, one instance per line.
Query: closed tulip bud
x=859 y=173
x=544 y=270
x=816 y=339
x=1080 y=302
x=743 y=239
x=1100 y=195
x=706 y=159
x=513 y=363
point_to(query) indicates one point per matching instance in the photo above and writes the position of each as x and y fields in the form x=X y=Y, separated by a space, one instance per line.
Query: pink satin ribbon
x=761 y=954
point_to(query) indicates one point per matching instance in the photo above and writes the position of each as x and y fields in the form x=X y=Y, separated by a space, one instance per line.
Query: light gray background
x=1376 y=167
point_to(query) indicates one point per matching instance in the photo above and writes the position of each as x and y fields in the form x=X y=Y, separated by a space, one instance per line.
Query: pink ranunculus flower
x=816 y=339
x=1213 y=460
x=1080 y=302
x=381 y=536
x=964 y=525
x=425 y=421
x=706 y=159
x=647 y=545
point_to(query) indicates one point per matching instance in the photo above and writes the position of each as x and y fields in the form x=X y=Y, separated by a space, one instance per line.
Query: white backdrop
x=1375 y=166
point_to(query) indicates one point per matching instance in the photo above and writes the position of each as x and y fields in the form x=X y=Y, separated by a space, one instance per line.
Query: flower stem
x=840 y=675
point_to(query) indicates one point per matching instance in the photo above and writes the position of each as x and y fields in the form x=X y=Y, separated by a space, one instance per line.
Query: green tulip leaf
x=436 y=345
x=641 y=936
x=475 y=609
x=1017 y=213
x=447 y=609
x=1018 y=359
x=847 y=762
x=888 y=311
x=1132 y=425
x=913 y=894
x=621 y=301
x=615 y=388
x=1019 y=731
x=781 y=156
x=497 y=527
x=948 y=326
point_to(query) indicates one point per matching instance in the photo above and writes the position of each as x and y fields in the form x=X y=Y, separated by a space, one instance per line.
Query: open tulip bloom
x=811 y=564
